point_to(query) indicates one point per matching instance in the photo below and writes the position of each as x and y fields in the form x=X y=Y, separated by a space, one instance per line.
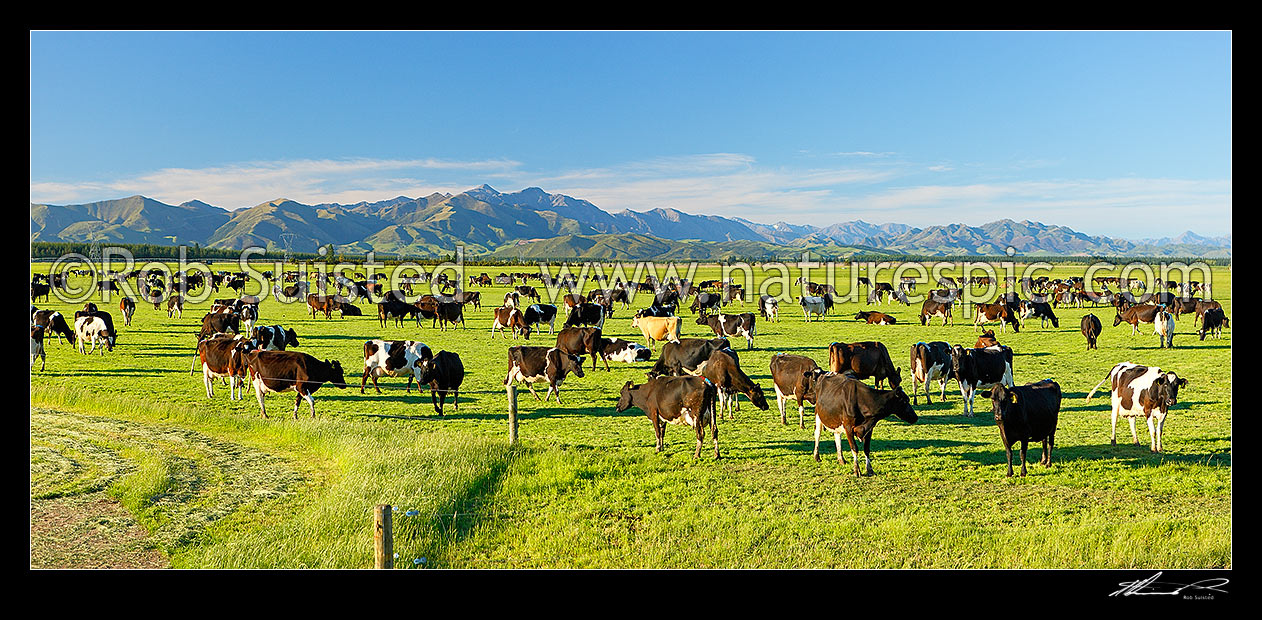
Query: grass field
x=209 y=483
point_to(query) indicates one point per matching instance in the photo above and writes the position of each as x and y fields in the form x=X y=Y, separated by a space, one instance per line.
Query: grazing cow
x=865 y=360
x=511 y=299
x=534 y=364
x=1183 y=306
x=37 y=347
x=1163 y=326
x=469 y=297
x=128 y=307
x=395 y=358
x=583 y=340
x=987 y=339
x=53 y=322
x=443 y=374
x=978 y=368
x=769 y=307
x=274 y=338
x=724 y=325
x=1026 y=413
x=819 y=306
x=1142 y=391
x=845 y=404
x=687 y=356
x=1091 y=329
x=450 y=312
x=1202 y=307
x=539 y=314
x=930 y=361
x=990 y=313
x=619 y=350
x=507 y=318
x=175 y=305
x=705 y=301
x=93 y=329
x=686 y=401
x=223 y=356
x=322 y=303
x=873 y=317
x=219 y=324
x=788 y=373
x=1043 y=312
x=528 y=292
x=655 y=328
x=724 y=371
x=1135 y=315
x=932 y=308
x=589 y=314
x=280 y=371
x=1213 y=323
x=393 y=308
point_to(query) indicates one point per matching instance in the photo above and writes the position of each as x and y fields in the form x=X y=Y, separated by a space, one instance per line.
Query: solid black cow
x=845 y=404
x=589 y=314
x=705 y=301
x=1091 y=329
x=688 y=355
x=677 y=400
x=443 y=374
x=398 y=310
x=975 y=368
x=930 y=361
x=450 y=312
x=583 y=340
x=549 y=364
x=1026 y=413
x=724 y=325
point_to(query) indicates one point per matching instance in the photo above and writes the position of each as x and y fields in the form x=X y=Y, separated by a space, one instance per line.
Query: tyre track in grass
x=110 y=492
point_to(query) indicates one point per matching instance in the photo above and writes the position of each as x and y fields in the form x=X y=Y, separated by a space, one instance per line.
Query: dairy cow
x=1145 y=391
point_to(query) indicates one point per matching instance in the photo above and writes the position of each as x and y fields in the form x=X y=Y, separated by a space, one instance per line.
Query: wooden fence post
x=512 y=414
x=383 y=537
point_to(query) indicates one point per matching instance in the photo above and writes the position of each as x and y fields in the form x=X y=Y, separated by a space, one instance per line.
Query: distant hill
x=534 y=223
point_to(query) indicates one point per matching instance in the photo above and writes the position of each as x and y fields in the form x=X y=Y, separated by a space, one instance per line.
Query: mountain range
x=533 y=223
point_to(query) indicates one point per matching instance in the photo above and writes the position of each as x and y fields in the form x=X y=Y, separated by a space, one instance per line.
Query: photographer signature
x=1152 y=586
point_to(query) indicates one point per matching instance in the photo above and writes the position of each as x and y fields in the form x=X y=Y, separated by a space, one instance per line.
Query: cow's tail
x=1097 y=386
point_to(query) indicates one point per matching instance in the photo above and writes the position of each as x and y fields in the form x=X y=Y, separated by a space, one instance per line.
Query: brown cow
x=987 y=339
x=678 y=400
x=1146 y=313
x=990 y=313
x=279 y=371
x=788 y=374
x=864 y=360
x=322 y=303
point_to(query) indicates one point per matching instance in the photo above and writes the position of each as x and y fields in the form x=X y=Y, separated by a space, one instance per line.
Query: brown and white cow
x=788 y=373
x=933 y=308
x=508 y=318
x=991 y=313
x=282 y=371
x=1146 y=313
x=127 y=306
x=1144 y=391
x=688 y=401
x=548 y=364
x=224 y=356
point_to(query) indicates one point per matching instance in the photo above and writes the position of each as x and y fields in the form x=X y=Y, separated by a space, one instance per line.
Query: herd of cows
x=694 y=381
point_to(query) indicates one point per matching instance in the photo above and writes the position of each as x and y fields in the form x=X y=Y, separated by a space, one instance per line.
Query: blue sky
x=1126 y=134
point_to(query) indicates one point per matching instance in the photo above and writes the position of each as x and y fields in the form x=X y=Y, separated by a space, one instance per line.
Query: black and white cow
x=978 y=368
x=538 y=314
x=274 y=337
x=619 y=350
x=548 y=364
x=724 y=325
x=394 y=358
x=930 y=361
x=586 y=314
x=818 y=306
x=1213 y=323
x=769 y=307
x=1144 y=391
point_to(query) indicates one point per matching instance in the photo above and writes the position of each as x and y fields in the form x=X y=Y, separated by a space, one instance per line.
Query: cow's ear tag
x=1014 y=398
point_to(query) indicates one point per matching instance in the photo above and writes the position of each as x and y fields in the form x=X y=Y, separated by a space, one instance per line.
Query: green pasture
x=213 y=485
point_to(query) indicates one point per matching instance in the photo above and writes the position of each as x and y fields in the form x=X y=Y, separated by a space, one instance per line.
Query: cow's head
x=335 y=374
x=1166 y=390
x=291 y=337
x=810 y=379
x=899 y=405
x=1002 y=399
x=624 y=398
x=1117 y=320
